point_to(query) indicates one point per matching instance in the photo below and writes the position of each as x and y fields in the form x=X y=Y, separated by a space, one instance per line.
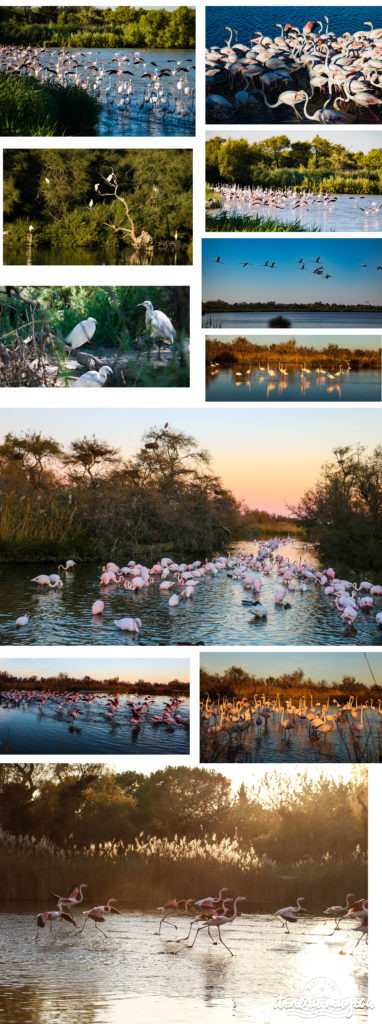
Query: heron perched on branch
x=157 y=324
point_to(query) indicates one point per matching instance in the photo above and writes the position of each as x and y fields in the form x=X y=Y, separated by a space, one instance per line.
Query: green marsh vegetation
x=99 y=27
x=242 y=350
x=29 y=107
x=143 y=834
x=234 y=222
x=276 y=162
x=97 y=206
x=34 y=322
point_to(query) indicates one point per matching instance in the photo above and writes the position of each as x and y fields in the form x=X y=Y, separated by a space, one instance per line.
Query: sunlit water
x=32 y=728
x=223 y=385
x=296 y=318
x=129 y=120
x=343 y=214
x=216 y=614
x=270 y=742
x=132 y=975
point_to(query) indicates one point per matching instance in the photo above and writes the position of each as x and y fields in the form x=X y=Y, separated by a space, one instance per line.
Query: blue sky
x=353 y=140
x=341 y=257
x=127 y=669
x=328 y=665
x=317 y=341
x=269 y=475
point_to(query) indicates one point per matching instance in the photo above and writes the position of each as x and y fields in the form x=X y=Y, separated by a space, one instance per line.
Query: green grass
x=233 y=222
x=29 y=107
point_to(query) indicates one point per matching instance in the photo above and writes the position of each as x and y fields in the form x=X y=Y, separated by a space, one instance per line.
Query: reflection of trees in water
x=26 y=1003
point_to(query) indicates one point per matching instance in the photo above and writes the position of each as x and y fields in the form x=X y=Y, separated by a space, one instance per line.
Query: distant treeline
x=63 y=682
x=221 y=306
x=235 y=682
x=120 y=27
x=241 y=350
x=277 y=162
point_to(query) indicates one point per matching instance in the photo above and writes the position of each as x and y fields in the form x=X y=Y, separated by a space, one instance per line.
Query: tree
x=89 y=454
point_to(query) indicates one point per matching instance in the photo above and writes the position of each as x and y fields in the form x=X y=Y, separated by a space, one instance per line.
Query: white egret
x=91 y=203
x=96 y=186
x=157 y=323
x=31 y=228
x=47 y=181
x=110 y=177
x=82 y=333
x=93 y=378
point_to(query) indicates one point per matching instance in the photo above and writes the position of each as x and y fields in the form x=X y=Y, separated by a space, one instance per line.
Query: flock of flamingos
x=125 y=83
x=295 y=69
x=181 y=582
x=249 y=200
x=118 y=711
x=204 y=914
x=228 y=720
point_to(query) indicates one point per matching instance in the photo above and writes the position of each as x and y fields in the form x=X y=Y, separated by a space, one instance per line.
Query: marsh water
x=132 y=975
x=340 y=213
x=271 y=743
x=253 y=385
x=107 y=255
x=34 y=728
x=296 y=318
x=215 y=615
x=247 y=20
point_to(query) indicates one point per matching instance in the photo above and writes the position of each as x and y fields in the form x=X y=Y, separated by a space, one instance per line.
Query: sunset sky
x=329 y=665
x=152 y=670
x=268 y=458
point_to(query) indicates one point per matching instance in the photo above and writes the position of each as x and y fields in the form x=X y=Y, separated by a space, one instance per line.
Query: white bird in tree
x=157 y=323
x=93 y=378
x=82 y=333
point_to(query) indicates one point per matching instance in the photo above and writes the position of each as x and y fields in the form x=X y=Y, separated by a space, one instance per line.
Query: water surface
x=340 y=213
x=247 y=20
x=33 y=727
x=132 y=976
x=297 y=318
x=215 y=615
x=223 y=385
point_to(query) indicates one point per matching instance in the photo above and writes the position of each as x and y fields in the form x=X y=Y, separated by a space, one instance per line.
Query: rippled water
x=216 y=614
x=132 y=976
x=356 y=386
x=269 y=743
x=297 y=318
x=340 y=215
x=23 y=255
x=34 y=729
x=248 y=19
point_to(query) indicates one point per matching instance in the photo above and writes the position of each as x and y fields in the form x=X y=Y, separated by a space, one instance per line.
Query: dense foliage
x=242 y=350
x=87 y=499
x=154 y=831
x=29 y=107
x=45 y=316
x=235 y=682
x=276 y=162
x=67 y=683
x=344 y=508
x=54 y=190
x=155 y=28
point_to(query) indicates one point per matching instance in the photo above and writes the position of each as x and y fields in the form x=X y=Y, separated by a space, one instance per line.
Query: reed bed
x=234 y=222
x=29 y=107
x=149 y=870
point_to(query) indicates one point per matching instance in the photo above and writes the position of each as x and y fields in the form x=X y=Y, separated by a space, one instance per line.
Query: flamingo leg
x=222 y=941
x=170 y=924
x=196 y=935
x=100 y=930
x=51 y=931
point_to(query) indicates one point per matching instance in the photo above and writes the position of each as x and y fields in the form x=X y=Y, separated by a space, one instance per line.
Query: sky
x=352 y=140
x=267 y=459
x=341 y=258
x=328 y=665
x=317 y=341
x=158 y=670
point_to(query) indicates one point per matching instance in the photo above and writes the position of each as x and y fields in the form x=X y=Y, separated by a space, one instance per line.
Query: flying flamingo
x=74 y=897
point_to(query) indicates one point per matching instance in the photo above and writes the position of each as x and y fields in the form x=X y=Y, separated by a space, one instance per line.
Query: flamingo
x=98 y=913
x=337 y=911
x=74 y=897
x=23 y=619
x=218 y=921
x=289 y=913
x=53 y=915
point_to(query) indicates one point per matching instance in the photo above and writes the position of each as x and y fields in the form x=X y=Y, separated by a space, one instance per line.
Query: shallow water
x=30 y=728
x=343 y=214
x=131 y=975
x=215 y=615
x=269 y=743
x=21 y=255
x=131 y=121
x=297 y=318
x=247 y=20
x=356 y=386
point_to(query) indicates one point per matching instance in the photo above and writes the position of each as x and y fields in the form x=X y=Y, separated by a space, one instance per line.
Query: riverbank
x=243 y=352
x=29 y=107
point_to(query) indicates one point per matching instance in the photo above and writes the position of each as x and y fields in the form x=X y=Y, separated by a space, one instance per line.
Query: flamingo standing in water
x=217 y=922
x=336 y=912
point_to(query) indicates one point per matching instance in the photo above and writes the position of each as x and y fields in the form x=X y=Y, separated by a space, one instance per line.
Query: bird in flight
x=246 y=264
x=218 y=260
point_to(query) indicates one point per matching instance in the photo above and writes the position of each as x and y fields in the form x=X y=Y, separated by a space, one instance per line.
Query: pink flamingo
x=288 y=914
x=218 y=921
x=52 y=915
